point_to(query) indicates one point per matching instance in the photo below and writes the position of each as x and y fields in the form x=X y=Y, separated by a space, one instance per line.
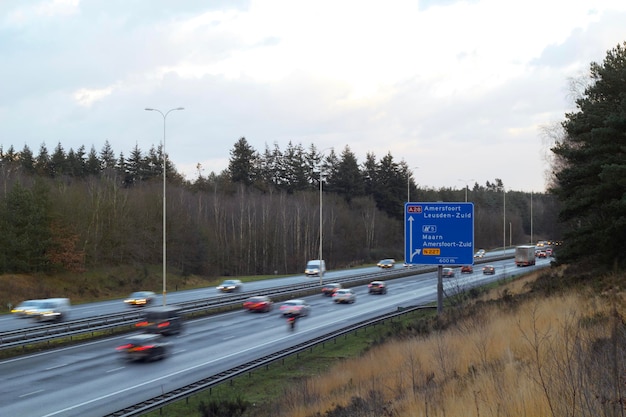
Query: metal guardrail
x=69 y=329
x=213 y=380
x=53 y=331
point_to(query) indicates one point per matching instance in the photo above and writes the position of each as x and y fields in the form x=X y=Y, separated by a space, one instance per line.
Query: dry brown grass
x=544 y=357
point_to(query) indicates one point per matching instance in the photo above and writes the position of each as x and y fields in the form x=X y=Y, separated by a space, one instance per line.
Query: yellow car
x=386 y=263
x=140 y=298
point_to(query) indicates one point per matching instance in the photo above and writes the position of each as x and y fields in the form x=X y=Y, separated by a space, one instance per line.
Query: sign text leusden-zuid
x=439 y=233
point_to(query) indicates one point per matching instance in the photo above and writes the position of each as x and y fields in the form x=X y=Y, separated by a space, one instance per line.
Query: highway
x=91 y=380
x=98 y=309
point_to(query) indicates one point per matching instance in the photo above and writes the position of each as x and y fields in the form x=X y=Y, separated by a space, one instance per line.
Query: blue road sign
x=439 y=233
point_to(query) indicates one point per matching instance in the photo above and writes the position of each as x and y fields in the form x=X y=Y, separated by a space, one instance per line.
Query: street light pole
x=504 y=221
x=164 y=199
x=466 y=182
x=531 y=218
x=321 y=228
x=321 y=218
x=408 y=183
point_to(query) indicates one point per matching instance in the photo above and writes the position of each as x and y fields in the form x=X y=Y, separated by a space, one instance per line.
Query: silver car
x=230 y=285
x=447 y=273
x=344 y=296
x=50 y=309
x=295 y=308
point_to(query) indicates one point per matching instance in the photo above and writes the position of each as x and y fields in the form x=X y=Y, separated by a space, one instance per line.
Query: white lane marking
x=115 y=369
x=56 y=366
x=168 y=376
x=31 y=393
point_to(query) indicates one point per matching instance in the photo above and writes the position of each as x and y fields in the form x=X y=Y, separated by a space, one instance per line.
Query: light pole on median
x=164 y=199
x=531 y=217
x=408 y=183
x=466 y=182
x=503 y=219
x=321 y=274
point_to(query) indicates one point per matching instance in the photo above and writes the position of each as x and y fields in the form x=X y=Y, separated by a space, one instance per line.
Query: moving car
x=144 y=347
x=541 y=253
x=329 y=289
x=447 y=273
x=260 y=303
x=50 y=309
x=22 y=310
x=489 y=270
x=230 y=285
x=377 y=287
x=344 y=296
x=140 y=298
x=467 y=269
x=166 y=320
x=295 y=307
x=386 y=263
x=480 y=253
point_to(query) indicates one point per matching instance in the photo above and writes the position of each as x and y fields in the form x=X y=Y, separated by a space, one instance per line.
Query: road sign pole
x=440 y=290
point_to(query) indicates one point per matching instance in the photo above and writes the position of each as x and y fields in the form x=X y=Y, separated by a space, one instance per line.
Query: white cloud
x=459 y=88
x=32 y=12
x=86 y=97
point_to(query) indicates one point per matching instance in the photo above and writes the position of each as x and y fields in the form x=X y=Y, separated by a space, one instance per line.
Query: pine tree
x=25 y=229
x=242 y=162
x=591 y=181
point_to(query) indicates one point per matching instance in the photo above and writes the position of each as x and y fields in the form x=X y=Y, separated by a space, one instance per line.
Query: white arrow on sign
x=417 y=251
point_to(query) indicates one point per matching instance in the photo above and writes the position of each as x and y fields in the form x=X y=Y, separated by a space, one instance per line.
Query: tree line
x=76 y=210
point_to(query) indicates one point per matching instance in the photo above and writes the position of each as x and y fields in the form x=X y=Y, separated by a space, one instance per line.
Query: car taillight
x=145 y=347
x=141 y=324
x=124 y=347
x=164 y=324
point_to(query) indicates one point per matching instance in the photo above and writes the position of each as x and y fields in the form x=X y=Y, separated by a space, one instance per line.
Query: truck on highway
x=525 y=255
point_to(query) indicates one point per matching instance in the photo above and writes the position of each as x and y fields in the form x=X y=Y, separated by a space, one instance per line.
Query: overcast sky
x=460 y=90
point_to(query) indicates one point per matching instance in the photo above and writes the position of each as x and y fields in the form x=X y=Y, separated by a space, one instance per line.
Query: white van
x=50 y=309
x=315 y=267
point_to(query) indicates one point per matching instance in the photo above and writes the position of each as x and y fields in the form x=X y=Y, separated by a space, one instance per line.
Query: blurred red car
x=467 y=269
x=260 y=304
x=329 y=289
